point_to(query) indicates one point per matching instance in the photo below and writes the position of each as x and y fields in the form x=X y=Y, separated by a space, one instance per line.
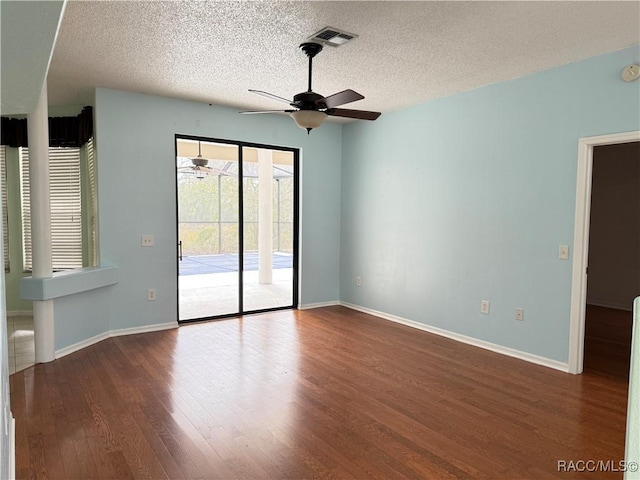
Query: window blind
x=92 y=213
x=25 y=208
x=5 y=211
x=66 y=210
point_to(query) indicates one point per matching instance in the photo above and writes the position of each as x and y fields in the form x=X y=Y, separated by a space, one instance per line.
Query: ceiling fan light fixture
x=308 y=119
x=200 y=174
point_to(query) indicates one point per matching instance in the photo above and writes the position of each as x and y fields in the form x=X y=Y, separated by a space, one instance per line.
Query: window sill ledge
x=69 y=282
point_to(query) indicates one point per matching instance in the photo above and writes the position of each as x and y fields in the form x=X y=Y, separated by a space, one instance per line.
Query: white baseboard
x=114 y=333
x=511 y=352
x=82 y=344
x=616 y=306
x=309 y=306
x=145 y=329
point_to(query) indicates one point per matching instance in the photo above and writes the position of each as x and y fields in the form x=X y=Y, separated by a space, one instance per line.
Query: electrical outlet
x=358 y=282
x=520 y=314
x=148 y=241
x=151 y=294
x=484 y=307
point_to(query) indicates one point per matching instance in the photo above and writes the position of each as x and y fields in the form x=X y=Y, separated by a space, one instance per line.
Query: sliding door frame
x=296 y=223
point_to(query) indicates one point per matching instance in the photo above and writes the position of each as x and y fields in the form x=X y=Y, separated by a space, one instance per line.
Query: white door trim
x=581 y=241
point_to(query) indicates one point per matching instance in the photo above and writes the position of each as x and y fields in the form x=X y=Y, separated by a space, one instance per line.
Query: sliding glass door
x=268 y=219
x=237 y=227
x=208 y=229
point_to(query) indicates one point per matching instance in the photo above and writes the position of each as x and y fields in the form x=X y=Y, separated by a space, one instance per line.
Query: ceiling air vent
x=332 y=36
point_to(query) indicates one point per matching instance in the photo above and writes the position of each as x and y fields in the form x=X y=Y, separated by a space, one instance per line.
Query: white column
x=38 y=132
x=265 y=216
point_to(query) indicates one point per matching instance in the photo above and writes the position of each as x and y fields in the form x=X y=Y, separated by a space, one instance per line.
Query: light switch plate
x=563 y=252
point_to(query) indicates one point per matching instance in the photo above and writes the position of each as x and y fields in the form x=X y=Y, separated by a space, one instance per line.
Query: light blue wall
x=81 y=316
x=468 y=198
x=136 y=196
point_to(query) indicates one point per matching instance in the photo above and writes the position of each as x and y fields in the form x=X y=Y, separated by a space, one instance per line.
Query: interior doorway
x=237 y=227
x=581 y=248
x=613 y=279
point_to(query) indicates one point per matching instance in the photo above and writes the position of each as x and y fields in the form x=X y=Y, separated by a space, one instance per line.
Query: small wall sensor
x=631 y=73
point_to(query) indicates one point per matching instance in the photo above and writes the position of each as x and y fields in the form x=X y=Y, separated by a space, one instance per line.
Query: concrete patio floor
x=211 y=287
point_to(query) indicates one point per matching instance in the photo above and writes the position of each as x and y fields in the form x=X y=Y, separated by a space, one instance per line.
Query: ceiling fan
x=311 y=109
x=199 y=166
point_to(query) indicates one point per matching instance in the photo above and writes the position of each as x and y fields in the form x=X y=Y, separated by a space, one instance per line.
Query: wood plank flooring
x=326 y=393
x=607 y=343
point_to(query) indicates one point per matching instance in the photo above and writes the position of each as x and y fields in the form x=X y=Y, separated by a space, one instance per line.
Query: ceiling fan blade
x=340 y=98
x=253 y=112
x=359 y=114
x=271 y=96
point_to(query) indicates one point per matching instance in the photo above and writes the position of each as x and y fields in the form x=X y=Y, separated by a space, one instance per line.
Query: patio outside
x=210 y=284
x=209 y=228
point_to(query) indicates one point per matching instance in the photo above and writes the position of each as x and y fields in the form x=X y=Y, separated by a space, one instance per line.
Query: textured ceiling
x=406 y=52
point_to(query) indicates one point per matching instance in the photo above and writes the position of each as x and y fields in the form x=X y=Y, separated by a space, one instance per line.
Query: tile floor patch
x=21 y=343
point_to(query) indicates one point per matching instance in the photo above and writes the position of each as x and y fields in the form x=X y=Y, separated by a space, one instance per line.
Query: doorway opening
x=599 y=316
x=237 y=224
x=613 y=279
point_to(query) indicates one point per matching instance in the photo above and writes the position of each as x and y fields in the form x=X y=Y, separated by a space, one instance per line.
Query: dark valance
x=63 y=131
x=14 y=132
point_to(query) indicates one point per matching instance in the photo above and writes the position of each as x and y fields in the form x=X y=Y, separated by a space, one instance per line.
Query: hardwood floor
x=325 y=393
x=607 y=341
